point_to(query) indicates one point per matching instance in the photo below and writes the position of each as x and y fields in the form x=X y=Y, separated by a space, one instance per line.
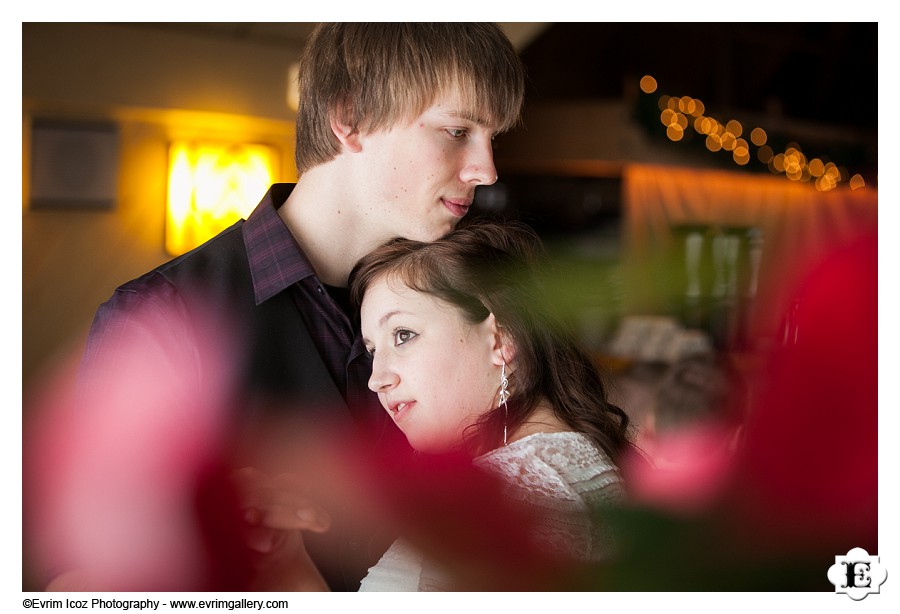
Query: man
x=394 y=134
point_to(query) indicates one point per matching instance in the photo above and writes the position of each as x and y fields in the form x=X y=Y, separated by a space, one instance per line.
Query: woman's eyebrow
x=383 y=319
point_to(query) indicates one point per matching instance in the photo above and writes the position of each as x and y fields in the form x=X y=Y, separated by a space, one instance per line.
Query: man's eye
x=402 y=336
x=456 y=133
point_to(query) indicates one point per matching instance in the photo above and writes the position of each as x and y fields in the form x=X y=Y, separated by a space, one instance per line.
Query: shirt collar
x=276 y=260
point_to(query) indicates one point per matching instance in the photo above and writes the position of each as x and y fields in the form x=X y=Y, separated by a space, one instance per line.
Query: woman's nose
x=382 y=378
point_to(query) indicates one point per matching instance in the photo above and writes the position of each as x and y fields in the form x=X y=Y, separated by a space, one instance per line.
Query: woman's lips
x=458 y=208
x=398 y=410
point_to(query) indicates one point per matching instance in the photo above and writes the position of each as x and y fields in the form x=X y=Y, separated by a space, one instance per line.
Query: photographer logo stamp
x=857 y=574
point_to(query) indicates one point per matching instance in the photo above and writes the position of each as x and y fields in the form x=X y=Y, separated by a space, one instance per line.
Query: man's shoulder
x=226 y=247
x=219 y=261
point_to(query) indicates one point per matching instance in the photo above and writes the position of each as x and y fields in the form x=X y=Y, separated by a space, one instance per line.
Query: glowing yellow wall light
x=211 y=186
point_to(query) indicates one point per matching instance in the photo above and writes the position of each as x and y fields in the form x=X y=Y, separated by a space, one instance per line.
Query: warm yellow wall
x=155 y=87
x=140 y=67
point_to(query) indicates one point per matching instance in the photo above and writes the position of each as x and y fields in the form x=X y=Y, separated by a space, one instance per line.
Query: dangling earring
x=504 y=395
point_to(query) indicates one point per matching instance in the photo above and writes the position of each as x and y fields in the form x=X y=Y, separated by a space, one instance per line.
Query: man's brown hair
x=372 y=75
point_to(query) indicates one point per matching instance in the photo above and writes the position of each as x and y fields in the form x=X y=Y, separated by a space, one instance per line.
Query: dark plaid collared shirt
x=278 y=264
x=149 y=314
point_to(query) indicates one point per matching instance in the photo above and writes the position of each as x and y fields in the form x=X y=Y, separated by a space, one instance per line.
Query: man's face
x=421 y=174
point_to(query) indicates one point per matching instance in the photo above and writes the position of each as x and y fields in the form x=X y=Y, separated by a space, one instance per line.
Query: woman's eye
x=402 y=336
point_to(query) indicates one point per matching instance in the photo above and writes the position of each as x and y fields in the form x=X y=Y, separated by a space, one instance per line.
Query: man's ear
x=504 y=348
x=345 y=133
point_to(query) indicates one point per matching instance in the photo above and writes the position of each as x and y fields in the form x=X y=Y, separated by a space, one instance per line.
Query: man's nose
x=479 y=166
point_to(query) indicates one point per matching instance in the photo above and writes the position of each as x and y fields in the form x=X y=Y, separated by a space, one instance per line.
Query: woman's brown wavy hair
x=486 y=268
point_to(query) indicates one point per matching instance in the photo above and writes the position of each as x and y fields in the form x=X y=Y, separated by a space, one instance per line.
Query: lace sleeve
x=560 y=478
x=399 y=569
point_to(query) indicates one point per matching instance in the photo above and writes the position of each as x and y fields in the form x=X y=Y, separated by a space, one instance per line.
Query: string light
x=680 y=113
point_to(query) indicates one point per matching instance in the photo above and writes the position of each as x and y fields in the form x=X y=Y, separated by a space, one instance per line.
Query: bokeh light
x=648 y=84
x=675 y=132
x=758 y=137
x=765 y=154
x=680 y=113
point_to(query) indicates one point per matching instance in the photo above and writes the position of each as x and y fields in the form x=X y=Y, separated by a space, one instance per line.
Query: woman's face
x=434 y=373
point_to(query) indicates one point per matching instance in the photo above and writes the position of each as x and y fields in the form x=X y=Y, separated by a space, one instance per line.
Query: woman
x=465 y=359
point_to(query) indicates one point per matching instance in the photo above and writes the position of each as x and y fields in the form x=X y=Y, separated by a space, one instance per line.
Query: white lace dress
x=559 y=476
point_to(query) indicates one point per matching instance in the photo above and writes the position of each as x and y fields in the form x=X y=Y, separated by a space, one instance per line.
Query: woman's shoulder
x=561 y=449
x=561 y=465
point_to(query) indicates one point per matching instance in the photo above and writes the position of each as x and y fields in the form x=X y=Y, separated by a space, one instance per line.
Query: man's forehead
x=461 y=111
x=458 y=102
x=469 y=115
